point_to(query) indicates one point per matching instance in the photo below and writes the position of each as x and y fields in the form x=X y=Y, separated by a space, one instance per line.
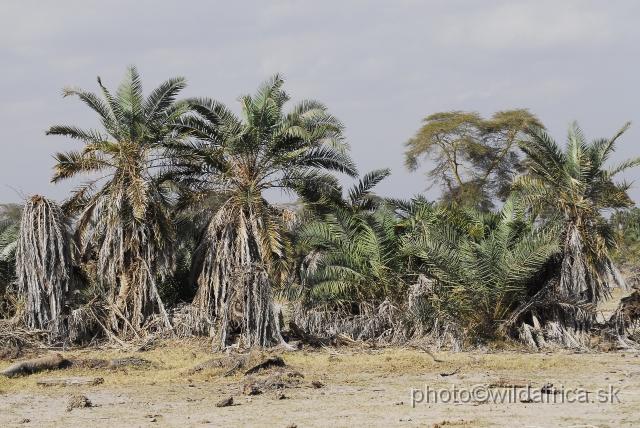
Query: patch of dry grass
x=172 y=360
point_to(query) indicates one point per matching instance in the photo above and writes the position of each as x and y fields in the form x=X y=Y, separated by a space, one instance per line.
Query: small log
x=70 y=381
x=452 y=373
x=271 y=362
x=50 y=362
x=343 y=339
x=233 y=369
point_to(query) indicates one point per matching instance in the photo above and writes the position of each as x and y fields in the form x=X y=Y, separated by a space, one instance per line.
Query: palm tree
x=123 y=209
x=244 y=249
x=575 y=185
x=480 y=265
x=353 y=252
x=43 y=264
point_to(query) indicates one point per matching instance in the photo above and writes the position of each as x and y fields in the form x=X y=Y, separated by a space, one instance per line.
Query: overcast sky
x=380 y=66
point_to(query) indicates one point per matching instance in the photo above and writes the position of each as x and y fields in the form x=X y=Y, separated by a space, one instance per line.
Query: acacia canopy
x=473 y=158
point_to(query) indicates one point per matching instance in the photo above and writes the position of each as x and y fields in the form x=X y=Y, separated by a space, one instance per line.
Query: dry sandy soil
x=361 y=387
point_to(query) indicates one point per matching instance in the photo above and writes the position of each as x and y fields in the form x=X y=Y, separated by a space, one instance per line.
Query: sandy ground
x=361 y=388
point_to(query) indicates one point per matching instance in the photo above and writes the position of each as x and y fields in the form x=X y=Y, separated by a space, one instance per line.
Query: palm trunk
x=123 y=292
x=234 y=285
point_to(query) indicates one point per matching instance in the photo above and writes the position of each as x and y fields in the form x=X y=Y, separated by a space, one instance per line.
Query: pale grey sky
x=380 y=66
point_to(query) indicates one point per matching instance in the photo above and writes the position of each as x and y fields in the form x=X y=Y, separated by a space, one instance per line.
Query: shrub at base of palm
x=9 y=234
x=480 y=265
x=43 y=262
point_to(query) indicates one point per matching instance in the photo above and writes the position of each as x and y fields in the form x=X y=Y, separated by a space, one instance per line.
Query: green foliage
x=480 y=265
x=9 y=232
x=174 y=211
x=626 y=227
x=349 y=251
x=356 y=258
x=473 y=158
x=239 y=158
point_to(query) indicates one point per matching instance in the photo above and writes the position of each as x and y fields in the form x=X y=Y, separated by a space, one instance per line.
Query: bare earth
x=362 y=387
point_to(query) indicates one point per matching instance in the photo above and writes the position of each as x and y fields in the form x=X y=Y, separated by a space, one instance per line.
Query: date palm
x=575 y=185
x=123 y=209
x=43 y=264
x=481 y=265
x=245 y=245
x=353 y=252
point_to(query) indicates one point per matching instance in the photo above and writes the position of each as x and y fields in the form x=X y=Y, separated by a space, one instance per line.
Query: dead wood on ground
x=50 y=362
x=78 y=402
x=317 y=341
x=271 y=362
x=505 y=382
x=423 y=348
x=70 y=381
x=225 y=402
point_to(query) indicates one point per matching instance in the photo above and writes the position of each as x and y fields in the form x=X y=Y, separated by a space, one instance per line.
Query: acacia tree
x=123 y=209
x=244 y=249
x=43 y=264
x=473 y=159
x=575 y=185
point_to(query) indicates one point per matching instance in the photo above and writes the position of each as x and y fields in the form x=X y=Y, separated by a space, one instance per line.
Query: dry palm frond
x=234 y=285
x=624 y=325
x=13 y=335
x=381 y=323
x=188 y=321
x=43 y=261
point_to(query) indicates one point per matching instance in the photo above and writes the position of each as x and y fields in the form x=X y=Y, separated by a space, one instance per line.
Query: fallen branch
x=70 y=381
x=233 y=369
x=271 y=362
x=50 y=362
x=452 y=373
x=415 y=345
x=308 y=338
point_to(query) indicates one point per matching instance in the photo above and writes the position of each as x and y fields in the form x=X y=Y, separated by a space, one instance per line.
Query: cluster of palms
x=174 y=211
